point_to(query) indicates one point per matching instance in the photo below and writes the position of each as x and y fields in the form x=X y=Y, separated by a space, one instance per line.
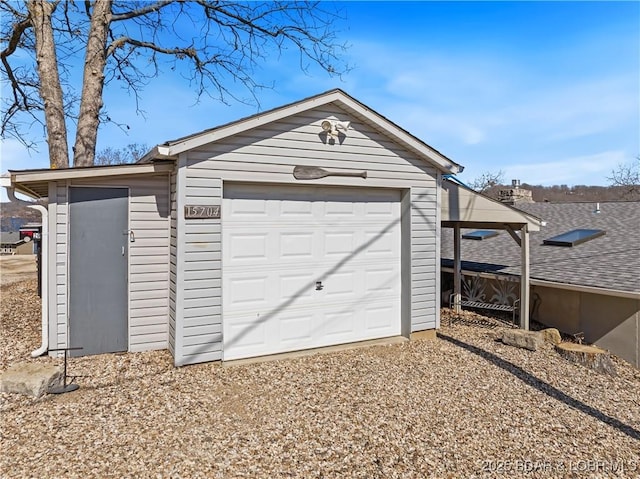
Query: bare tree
x=627 y=176
x=487 y=180
x=120 y=156
x=220 y=43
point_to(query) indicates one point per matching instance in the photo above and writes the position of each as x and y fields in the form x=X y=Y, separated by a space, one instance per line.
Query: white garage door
x=306 y=267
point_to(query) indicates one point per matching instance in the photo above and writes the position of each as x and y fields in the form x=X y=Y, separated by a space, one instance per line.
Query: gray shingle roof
x=611 y=261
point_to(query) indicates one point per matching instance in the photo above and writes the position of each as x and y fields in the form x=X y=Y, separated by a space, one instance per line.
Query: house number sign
x=201 y=211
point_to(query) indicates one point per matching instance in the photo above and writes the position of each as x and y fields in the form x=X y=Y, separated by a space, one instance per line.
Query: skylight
x=480 y=234
x=575 y=237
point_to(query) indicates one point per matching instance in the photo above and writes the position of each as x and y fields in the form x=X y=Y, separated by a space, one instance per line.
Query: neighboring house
x=591 y=289
x=11 y=243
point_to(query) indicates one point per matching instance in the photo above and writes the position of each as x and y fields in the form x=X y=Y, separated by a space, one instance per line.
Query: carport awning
x=461 y=207
x=470 y=209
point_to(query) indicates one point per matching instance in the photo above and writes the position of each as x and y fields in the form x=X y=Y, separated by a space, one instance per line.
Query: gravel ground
x=462 y=405
x=19 y=267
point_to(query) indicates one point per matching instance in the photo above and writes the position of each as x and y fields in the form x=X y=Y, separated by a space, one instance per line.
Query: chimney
x=515 y=194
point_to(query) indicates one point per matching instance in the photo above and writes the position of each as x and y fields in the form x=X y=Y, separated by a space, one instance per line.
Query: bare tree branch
x=627 y=176
x=119 y=156
x=215 y=45
x=154 y=7
x=488 y=180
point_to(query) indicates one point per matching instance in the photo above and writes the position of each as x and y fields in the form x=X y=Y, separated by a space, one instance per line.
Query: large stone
x=519 y=338
x=551 y=335
x=32 y=378
x=590 y=356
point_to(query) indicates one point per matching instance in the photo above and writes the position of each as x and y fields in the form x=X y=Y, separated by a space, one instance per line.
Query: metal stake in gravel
x=65 y=388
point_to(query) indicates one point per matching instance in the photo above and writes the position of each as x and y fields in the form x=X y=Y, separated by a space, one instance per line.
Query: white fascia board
x=405 y=138
x=159 y=152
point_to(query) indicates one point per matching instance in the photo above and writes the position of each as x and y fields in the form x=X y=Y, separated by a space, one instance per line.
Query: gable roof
x=171 y=149
x=610 y=262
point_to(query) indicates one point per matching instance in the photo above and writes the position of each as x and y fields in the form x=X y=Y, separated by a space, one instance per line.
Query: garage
x=306 y=267
x=226 y=251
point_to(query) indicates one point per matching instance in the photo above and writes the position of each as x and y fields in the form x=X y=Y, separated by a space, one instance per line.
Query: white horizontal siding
x=172 y=263
x=149 y=211
x=196 y=327
x=296 y=141
x=424 y=258
x=58 y=216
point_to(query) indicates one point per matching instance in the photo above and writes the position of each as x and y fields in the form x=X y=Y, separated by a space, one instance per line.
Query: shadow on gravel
x=544 y=387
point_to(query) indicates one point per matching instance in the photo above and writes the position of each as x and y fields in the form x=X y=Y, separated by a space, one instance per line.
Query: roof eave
x=34 y=183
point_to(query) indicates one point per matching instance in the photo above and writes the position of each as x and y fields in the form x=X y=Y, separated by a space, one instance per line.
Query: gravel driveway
x=463 y=405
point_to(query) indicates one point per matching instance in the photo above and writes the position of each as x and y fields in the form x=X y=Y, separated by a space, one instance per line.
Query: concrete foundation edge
x=426 y=334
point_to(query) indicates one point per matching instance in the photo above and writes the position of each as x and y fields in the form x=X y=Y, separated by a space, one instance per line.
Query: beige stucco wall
x=612 y=323
x=557 y=308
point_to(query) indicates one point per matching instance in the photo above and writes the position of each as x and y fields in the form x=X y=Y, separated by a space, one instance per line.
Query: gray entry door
x=98 y=223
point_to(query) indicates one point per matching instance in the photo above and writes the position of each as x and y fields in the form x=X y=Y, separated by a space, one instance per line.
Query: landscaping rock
x=590 y=356
x=530 y=340
x=551 y=335
x=31 y=379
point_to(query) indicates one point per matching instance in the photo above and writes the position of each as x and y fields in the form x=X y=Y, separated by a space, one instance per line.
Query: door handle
x=319 y=286
x=123 y=251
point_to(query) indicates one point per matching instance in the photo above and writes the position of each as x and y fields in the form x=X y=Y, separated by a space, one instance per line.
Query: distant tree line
x=120 y=156
x=624 y=184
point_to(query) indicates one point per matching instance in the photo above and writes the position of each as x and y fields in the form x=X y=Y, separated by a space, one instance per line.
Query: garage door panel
x=296 y=209
x=296 y=329
x=247 y=246
x=247 y=291
x=243 y=208
x=339 y=326
x=339 y=243
x=340 y=285
x=296 y=246
x=297 y=285
x=339 y=208
x=380 y=210
x=278 y=241
x=379 y=244
x=381 y=280
x=244 y=337
x=377 y=320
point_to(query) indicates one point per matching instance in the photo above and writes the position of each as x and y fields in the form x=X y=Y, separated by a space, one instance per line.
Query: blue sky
x=547 y=92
